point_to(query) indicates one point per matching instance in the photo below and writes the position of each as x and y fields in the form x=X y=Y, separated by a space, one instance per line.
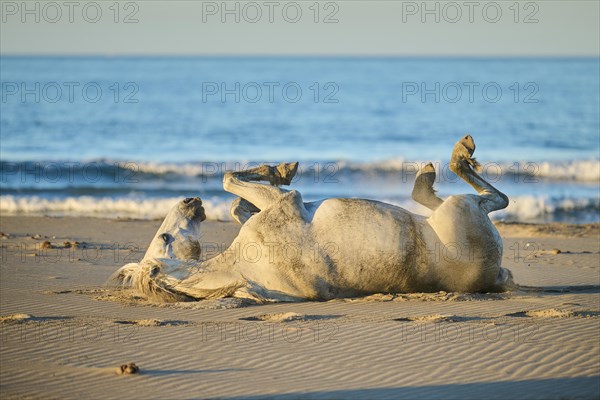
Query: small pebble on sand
x=128 y=369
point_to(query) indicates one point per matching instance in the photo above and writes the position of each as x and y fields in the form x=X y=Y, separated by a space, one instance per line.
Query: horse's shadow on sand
x=588 y=289
x=559 y=388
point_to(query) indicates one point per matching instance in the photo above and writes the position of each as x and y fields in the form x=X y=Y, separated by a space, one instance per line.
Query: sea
x=127 y=137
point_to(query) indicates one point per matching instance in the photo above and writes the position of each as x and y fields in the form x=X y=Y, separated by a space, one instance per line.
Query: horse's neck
x=217 y=263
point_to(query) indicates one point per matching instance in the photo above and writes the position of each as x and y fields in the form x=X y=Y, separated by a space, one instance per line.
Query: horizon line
x=307 y=55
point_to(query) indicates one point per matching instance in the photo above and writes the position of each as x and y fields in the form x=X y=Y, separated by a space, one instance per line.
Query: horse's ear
x=123 y=275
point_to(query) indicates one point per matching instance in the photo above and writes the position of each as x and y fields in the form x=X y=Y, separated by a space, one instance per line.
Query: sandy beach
x=299 y=142
x=64 y=332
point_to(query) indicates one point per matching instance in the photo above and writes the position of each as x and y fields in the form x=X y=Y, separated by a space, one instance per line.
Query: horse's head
x=178 y=236
x=174 y=245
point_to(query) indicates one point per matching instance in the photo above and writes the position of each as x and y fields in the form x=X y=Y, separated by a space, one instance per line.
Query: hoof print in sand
x=152 y=322
x=554 y=313
x=281 y=317
x=288 y=317
x=428 y=318
x=15 y=318
x=438 y=318
x=128 y=369
x=46 y=244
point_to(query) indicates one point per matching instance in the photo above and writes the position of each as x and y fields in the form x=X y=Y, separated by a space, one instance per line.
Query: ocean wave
x=105 y=207
x=126 y=173
x=574 y=170
x=521 y=208
x=532 y=208
x=581 y=170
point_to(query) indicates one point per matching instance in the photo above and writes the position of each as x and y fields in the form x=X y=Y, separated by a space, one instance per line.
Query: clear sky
x=347 y=27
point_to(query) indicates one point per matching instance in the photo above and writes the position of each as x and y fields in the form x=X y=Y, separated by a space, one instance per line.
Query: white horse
x=288 y=250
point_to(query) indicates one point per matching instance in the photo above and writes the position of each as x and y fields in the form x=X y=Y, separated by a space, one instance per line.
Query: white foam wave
x=521 y=208
x=189 y=169
x=582 y=170
x=575 y=170
x=216 y=209
x=527 y=208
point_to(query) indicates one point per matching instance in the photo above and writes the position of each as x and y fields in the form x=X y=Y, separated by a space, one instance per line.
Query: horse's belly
x=372 y=246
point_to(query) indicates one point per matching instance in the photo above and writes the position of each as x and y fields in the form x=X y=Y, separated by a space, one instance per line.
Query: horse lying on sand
x=331 y=248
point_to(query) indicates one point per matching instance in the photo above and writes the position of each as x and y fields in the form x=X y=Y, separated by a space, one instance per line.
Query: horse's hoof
x=426 y=174
x=287 y=171
x=469 y=144
x=462 y=154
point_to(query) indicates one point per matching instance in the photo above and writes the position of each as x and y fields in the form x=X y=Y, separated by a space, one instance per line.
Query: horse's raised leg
x=423 y=192
x=462 y=163
x=259 y=195
x=242 y=210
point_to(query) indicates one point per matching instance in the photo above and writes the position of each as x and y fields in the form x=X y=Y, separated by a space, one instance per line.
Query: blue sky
x=348 y=27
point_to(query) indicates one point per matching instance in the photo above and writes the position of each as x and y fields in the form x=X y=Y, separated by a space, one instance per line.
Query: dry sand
x=64 y=334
